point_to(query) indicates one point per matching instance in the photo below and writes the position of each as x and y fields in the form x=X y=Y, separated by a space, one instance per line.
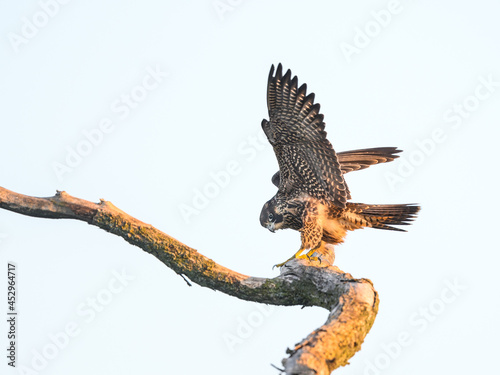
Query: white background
x=417 y=67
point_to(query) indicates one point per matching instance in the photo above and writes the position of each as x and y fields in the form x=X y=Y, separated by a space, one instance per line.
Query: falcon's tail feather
x=381 y=215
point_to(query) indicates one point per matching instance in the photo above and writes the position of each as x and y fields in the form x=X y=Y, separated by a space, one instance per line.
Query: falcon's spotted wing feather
x=356 y=160
x=307 y=161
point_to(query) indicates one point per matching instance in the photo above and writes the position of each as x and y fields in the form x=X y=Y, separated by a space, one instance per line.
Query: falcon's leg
x=311 y=235
x=309 y=254
x=296 y=255
x=303 y=256
x=325 y=253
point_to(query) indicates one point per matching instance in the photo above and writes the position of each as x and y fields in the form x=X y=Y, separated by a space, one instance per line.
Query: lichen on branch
x=353 y=303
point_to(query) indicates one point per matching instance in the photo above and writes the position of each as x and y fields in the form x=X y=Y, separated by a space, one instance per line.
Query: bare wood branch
x=353 y=303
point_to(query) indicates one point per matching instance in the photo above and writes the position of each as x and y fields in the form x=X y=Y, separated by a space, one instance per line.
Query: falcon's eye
x=271 y=217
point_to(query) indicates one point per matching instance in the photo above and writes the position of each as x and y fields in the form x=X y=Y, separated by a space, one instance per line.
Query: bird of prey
x=312 y=195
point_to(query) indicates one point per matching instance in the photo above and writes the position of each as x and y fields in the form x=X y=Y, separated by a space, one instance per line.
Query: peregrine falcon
x=312 y=195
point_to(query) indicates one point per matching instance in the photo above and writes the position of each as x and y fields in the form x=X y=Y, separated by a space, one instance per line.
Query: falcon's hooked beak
x=270 y=226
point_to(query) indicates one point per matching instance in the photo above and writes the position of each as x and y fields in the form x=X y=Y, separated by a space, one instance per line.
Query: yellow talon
x=299 y=256
x=310 y=257
x=296 y=255
x=282 y=264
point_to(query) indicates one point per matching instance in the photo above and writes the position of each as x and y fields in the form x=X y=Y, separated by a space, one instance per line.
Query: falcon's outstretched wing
x=307 y=161
x=356 y=160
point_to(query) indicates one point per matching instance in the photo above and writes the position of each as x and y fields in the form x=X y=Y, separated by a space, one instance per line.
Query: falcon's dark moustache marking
x=312 y=193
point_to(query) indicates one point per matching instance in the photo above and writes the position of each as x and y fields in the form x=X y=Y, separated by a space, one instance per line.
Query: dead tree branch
x=352 y=303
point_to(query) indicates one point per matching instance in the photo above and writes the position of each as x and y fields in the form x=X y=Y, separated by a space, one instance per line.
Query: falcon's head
x=271 y=216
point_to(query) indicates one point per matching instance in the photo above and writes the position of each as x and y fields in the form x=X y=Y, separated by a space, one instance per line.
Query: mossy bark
x=353 y=303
